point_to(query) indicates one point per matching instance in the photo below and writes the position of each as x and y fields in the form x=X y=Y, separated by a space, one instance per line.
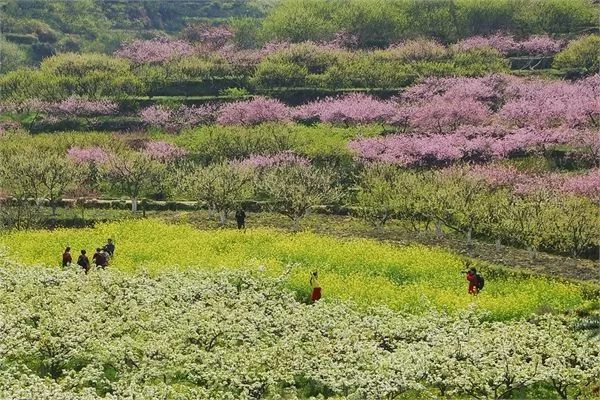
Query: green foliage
x=279 y=74
x=335 y=69
x=374 y=23
x=196 y=67
x=557 y=16
x=27 y=175
x=25 y=84
x=379 y=23
x=322 y=142
x=234 y=92
x=222 y=187
x=12 y=57
x=483 y=17
x=478 y=62
x=315 y=59
x=294 y=189
x=581 y=53
x=301 y=20
x=91 y=75
x=361 y=70
x=379 y=194
x=247 y=33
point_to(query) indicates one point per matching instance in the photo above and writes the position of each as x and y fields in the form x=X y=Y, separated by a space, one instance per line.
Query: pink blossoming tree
x=155 y=50
x=253 y=112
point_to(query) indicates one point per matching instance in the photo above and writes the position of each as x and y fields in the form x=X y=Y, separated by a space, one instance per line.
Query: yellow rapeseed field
x=411 y=278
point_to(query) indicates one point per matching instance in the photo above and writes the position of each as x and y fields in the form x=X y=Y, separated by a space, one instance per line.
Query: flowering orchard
x=242 y=335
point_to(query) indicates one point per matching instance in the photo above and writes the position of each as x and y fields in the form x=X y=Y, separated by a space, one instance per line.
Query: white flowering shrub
x=240 y=335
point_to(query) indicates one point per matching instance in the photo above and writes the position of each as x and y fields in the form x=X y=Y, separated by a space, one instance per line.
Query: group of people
x=103 y=255
x=100 y=258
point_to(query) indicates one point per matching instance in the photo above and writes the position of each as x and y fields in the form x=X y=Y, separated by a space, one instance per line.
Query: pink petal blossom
x=154 y=51
x=283 y=158
x=163 y=151
x=87 y=155
x=354 y=108
x=252 y=112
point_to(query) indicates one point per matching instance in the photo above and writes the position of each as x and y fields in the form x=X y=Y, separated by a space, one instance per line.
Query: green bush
x=581 y=53
x=374 y=23
x=215 y=143
x=556 y=16
x=234 y=92
x=420 y=49
x=271 y=73
x=21 y=38
x=11 y=57
x=247 y=33
x=92 y=75
x=27 y=84
x=377 y=23
x=477 y=62
x=365 y=71
x=198 y=68
x=484 y=17
x=300 y=20
x=316 y=59
x=71 y=64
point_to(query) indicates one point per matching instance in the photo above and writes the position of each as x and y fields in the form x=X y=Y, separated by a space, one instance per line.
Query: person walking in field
x=67 y=259
x=474 y=281
x=99 y=258
x=316 y=287
x=240 y=218
x=83 y=261
x=109 y=247
x=105 y=258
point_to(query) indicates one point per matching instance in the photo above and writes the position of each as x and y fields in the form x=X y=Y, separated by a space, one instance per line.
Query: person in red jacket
x=473 y=280
x=67 y=259
x=316 y=287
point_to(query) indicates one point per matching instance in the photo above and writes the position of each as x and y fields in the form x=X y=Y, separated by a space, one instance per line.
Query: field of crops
x=387 y=144
x=412 y=278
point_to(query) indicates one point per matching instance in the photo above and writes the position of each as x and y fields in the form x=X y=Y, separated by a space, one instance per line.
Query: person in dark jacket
x=67 y=259
x=100 y=259
x=83 y=261
x=109 y=247
x=240 y=218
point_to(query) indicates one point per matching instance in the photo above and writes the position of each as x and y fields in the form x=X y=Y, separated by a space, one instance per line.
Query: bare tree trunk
x=438 y=229
x=498 y=245
x=53 y=217
x=134 y=204
x=296 y=225
x=470 y=238
x=532 y=252
x=222 y=217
